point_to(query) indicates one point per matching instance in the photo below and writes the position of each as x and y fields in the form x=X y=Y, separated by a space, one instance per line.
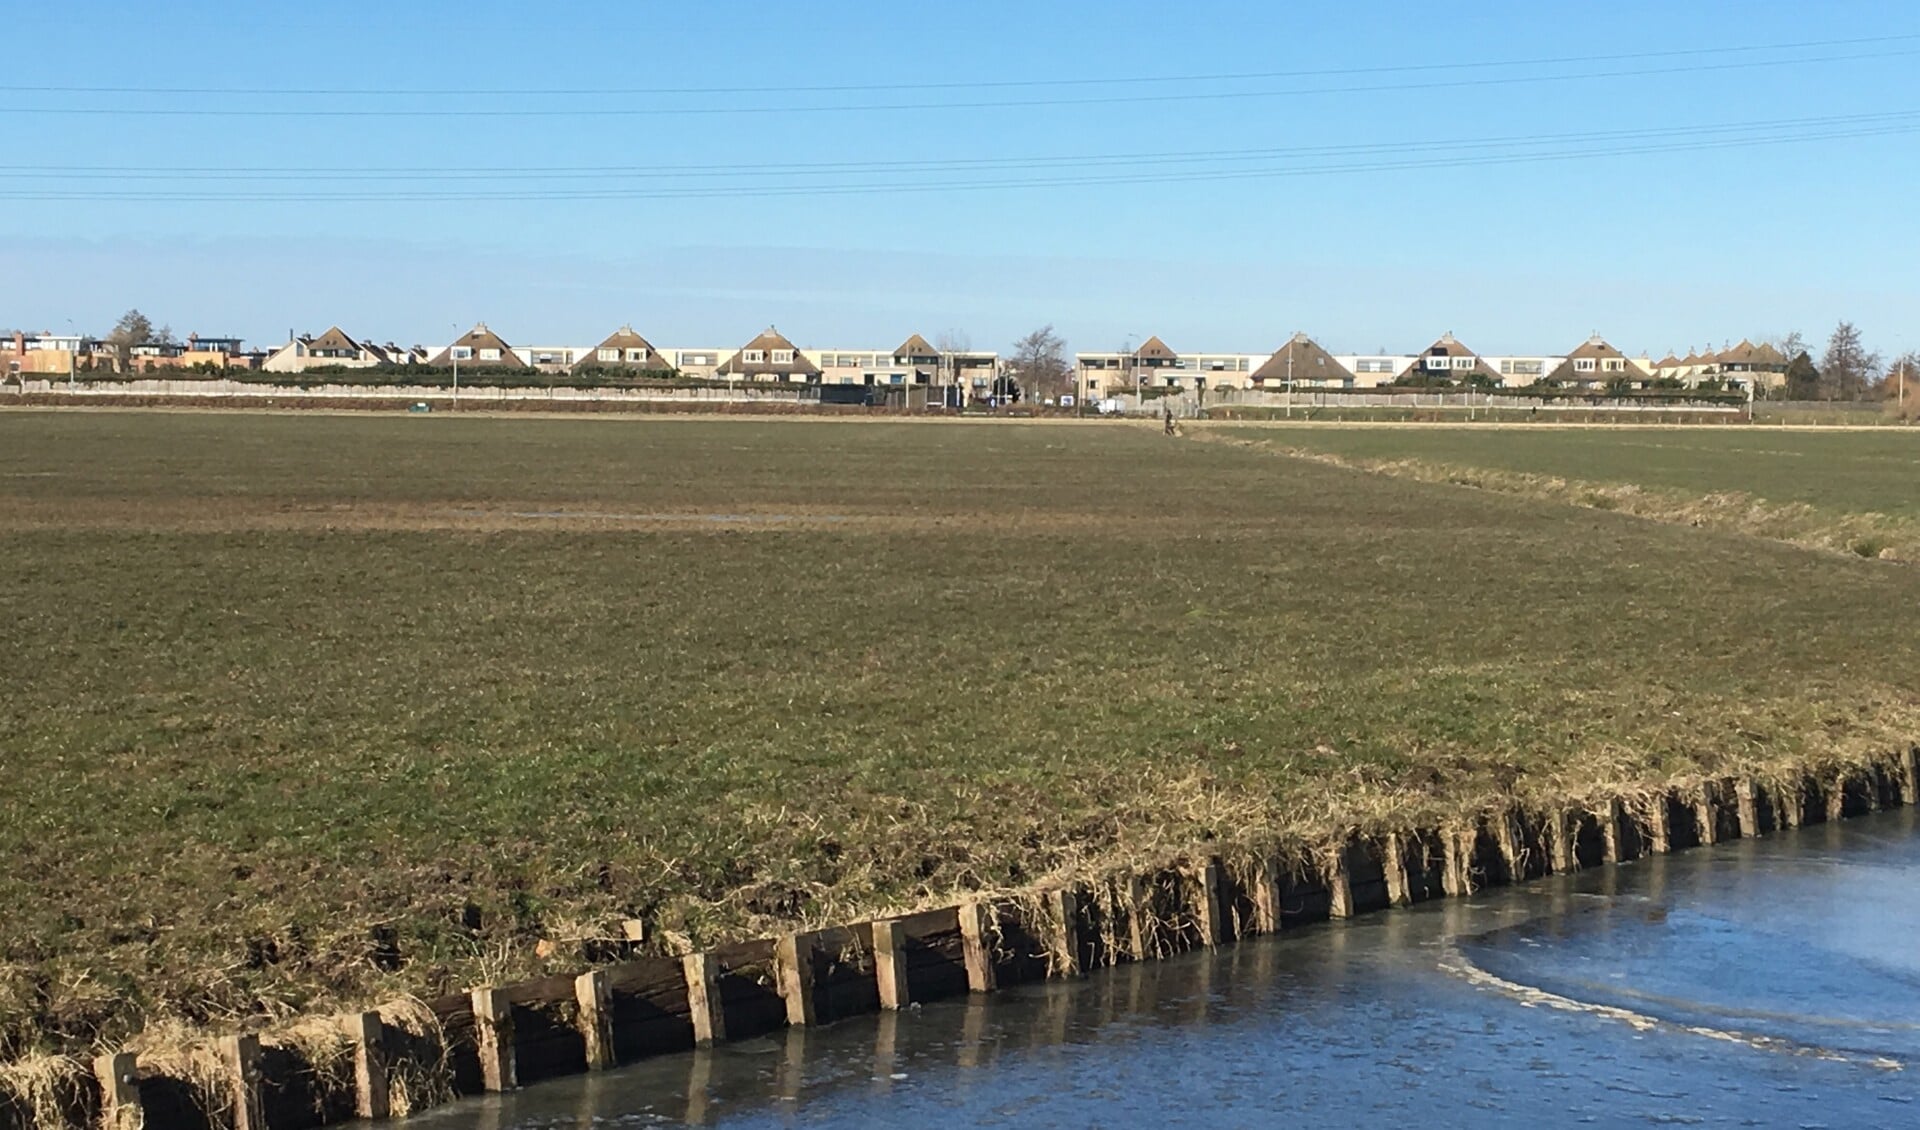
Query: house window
x=1615 y=365
x=753 y=356
x=1373 y=365
x=1583 y=364
x=462 y=353
x=636 y=355
x=489 y=355
x=607 y=355
x=1463 y=362
x=1439 y=363
x=783 y=356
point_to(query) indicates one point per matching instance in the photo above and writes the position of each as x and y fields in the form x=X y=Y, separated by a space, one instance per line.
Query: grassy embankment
x=298 y=712
x=1852 y=492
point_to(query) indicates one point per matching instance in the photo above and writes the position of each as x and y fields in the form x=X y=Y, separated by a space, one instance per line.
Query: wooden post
x=119 y=1078
x=1613 y=830
x=1706 y=813
x=370 y=1095
x=890 y=963
x=1659 y=837
x=1746 y=799
x=976 y=947
x=703 y=998
x=1066 y=907
x=1339 y=884
x=1137 y=906
x=1561 y=856
x=493 y=1038
x=1837 y=799
x=241 y=1057
x=595 y=998
x=1506 y=833
x=1792 y=806
x=1910 y=776
x=1456 y=877
x=1394 y=862
x=1206 y=907
x=1266 y=897
x=793 y=960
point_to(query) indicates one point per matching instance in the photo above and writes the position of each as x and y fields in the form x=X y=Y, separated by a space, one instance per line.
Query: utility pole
x=453 y=351
x=73 y=355
x=1290 y=379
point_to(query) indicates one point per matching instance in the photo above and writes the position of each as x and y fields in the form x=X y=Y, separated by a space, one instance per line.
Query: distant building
x=624 y=351
x=769 y=357
x=1595 y=364
x=335 y=349
x=479 y=346
x=1301 y=363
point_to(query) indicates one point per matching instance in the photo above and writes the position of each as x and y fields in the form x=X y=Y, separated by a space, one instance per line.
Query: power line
x=141 y=173
x=857 y=88
x=875 y=107
x=886 y=188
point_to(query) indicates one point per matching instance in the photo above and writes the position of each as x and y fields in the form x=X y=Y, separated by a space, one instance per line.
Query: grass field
x=1874 y=471
x=298 y=710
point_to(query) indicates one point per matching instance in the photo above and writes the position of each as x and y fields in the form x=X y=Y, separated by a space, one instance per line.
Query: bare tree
x=1039 y=363
x=953 y=341
x=1848 y=369
x=133 y=328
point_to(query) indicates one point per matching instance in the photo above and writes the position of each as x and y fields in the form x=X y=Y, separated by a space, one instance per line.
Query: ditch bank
x=411 y=1055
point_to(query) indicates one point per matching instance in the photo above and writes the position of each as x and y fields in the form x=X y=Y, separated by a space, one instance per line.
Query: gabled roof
x=1668 y=362
x=916 y=346
x=477 y=339
x=1301 y=359
x=623 y=339
x=1153 y=349
x=1747 y=353
x=1448 y=346
x=1451 y=346
x=767 y=342
x=1595 y=349
x=334 y=339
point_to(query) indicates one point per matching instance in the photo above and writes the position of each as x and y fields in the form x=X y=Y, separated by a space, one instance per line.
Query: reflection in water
x=1607 y=997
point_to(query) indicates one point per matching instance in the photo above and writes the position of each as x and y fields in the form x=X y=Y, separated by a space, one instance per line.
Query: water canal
x=1769 y=982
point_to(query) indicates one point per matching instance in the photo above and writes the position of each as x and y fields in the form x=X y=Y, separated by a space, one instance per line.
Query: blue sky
x=1657 y=250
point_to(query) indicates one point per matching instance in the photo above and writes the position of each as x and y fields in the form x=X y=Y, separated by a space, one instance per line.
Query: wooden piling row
x=498 y=1037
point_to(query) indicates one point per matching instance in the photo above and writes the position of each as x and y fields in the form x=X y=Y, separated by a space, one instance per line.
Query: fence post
x=890 y=963
x=1066 y=907
x=493 y=1038
x=595 y=998
x=976 y=947
x=703 y=998
x=119 y=1077
x=1207 y=906
x=793 y=960
x=241 y=1056
x=370 y=1095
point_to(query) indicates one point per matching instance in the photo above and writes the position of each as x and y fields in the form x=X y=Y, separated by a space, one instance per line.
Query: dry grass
x=46 y=1089
x=1868 y=534
x=278 y=745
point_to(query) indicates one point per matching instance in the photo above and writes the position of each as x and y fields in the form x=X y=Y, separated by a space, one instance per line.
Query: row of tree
x=1847 y=369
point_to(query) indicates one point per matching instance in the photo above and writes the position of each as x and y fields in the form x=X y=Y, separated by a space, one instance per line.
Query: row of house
x=51 y=354
x=1302 y=363
x=772 y=357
